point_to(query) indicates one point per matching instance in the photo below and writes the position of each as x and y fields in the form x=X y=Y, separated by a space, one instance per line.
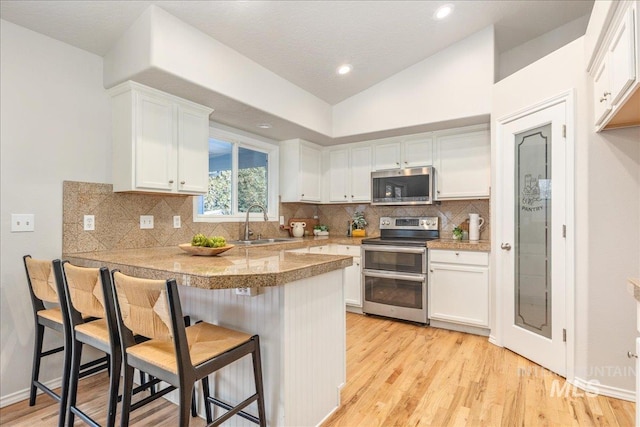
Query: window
x=242 y=172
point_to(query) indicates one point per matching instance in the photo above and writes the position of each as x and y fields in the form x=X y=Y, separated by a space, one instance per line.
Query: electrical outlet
x=146 y=221
x=176 y=221
x=89 y=222
x=247 y=291
x=22 y=222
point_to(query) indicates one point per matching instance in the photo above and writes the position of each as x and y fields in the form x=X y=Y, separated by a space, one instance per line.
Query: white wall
x=606 y=203
x=454 y=83
x=55 y=125
x=529 y=52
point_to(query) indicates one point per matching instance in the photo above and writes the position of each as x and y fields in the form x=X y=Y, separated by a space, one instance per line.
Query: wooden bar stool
x=177 y=354
x=43 y=289
x=85 y=299
x=91 y=323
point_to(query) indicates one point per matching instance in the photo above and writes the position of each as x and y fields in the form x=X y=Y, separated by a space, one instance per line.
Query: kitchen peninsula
x=298 y=313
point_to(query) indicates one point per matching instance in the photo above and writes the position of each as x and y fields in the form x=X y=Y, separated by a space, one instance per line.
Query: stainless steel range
x=394 y=269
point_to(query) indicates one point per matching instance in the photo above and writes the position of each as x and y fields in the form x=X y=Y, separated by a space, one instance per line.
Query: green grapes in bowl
x=208 y=242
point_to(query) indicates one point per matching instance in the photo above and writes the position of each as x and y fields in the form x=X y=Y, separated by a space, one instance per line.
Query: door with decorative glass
x=533 y=194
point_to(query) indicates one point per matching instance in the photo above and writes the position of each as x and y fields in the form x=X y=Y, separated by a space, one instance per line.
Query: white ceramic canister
x=475 y=224
x=298 y=228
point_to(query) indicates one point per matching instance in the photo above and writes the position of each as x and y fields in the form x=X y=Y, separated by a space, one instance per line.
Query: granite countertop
x=633 y=286
x=236 y=268
x=460 y=245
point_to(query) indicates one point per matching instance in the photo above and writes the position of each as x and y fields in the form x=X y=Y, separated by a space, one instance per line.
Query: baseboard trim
x=21 y=395
x=594 y=386
x=459 y=327
x=493 y=340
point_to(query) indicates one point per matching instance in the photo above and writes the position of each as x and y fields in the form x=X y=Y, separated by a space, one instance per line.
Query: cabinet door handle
x=345 y=196
x=406 y=163
x=506 y=246
x=170 y=181
x=302 y=194
x=352 y=196
x=182 y=182
x=457 y=253
x=398 y=163
x=631 y=355
x=604 y=96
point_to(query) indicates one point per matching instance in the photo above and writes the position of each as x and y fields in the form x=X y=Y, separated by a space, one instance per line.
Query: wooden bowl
x=203 y=251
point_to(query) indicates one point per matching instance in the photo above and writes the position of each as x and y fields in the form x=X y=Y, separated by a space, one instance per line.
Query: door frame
x=567 y=97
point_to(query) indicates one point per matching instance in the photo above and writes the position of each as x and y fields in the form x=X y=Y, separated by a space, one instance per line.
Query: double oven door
x=395 y=281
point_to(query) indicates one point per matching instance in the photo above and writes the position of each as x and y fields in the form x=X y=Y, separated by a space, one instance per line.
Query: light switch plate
x=177 y=223
x=146 y=221
x=89 y=222
x=22 y=222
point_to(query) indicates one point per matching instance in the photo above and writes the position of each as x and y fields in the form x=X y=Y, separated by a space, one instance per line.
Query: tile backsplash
x=117 y=218
x=451 y=213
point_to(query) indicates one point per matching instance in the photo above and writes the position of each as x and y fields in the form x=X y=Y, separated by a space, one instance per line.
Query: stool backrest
x=84 y=288
x=41 y=279
x=143 y=306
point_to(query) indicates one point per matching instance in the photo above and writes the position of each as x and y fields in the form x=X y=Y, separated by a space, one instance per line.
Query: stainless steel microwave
x=412 y=186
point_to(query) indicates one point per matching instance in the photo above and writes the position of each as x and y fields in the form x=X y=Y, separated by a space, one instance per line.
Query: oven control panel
x=409 y=223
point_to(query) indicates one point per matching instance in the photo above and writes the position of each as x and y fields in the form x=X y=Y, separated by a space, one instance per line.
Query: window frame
x=252 y=142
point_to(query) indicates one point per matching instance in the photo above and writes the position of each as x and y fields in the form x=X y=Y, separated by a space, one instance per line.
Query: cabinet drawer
x=324 y=249
x=459 y=257
x=352 y=250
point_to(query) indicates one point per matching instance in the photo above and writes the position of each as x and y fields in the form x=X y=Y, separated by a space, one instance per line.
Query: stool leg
x=207 y=404
x=35 y=370
x=66 y=377
x=185 y=404
x=126 y=395
x=194 y=409
x=114 y=382
x=257 y=373
x=73 y=380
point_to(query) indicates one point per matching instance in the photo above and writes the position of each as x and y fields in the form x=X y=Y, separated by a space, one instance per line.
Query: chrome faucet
x=246 y=223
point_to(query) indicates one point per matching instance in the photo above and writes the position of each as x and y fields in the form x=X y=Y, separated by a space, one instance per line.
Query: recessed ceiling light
x=443 y=11
x=344 y=69
x=264 y=125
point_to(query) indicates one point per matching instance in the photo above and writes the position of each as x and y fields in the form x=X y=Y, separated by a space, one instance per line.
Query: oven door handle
x=408 y=250
x=391 y=275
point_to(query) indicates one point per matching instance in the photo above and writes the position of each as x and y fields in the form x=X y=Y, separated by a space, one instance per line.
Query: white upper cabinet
x=463 y=163
x=614 y=64
x=300 y=171
x=417 y=151
x=348 y=174
x=601 y=96
x=360 y=174
x=386 y=155
x=160 y=142
x=403 y=152
x=337 y=175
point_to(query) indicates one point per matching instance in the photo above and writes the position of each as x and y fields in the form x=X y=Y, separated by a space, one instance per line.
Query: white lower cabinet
x=352 y=276
x=324 y=249
x=459 y=287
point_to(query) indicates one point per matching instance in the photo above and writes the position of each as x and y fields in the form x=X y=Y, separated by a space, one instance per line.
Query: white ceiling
x=305 y=41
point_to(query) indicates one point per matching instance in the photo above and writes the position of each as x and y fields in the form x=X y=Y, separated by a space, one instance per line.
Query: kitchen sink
x=261 y=241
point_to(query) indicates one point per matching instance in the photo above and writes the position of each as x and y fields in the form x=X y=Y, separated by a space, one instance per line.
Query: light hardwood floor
x=400 y=374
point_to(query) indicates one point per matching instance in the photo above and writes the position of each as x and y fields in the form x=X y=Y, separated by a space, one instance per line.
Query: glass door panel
x=532 y=230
